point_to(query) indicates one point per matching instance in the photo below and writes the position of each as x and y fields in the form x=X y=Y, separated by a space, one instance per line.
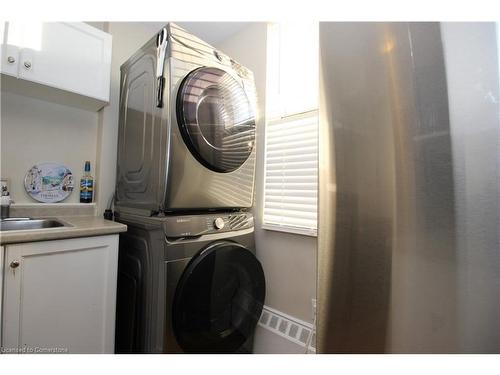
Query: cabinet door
x=9 y=54
x=60 y=295
x=74 y=57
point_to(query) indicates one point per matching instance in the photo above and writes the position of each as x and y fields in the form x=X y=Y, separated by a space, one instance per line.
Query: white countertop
x=79 y=226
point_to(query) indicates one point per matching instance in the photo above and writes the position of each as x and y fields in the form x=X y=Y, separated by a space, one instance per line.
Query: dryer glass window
x=218 y=300
x=216 y=118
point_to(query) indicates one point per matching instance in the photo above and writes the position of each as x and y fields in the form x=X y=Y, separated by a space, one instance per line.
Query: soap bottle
x=87 y=185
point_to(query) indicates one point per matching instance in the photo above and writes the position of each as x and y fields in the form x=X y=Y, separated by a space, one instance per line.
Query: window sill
x=289 y=229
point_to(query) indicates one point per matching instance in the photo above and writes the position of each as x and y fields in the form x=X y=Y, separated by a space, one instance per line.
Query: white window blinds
x=291 y=174
x=291 y=134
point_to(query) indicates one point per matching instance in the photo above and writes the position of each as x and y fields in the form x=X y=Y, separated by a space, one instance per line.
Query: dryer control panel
x=198 y=225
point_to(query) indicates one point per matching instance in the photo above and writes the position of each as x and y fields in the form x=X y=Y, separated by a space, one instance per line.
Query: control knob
x=219 y=223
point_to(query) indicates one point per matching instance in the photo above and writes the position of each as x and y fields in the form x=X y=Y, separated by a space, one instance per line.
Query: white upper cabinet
x=63 y=62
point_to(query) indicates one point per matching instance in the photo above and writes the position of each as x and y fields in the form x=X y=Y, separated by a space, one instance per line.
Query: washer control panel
x=197 y=225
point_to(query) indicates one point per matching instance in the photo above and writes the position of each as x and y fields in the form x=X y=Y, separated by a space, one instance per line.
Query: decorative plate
x=49 y=182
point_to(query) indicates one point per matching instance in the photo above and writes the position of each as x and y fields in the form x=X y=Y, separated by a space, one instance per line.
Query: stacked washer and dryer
x=188 y=278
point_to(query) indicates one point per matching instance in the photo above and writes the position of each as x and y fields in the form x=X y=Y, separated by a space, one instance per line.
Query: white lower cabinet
x=59 y=296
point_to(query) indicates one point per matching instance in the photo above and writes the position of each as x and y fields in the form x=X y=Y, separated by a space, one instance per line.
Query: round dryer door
x=216 y=119
x=218 y=300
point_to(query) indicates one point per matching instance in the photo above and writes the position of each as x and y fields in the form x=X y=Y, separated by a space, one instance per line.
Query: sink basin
x=27 y=223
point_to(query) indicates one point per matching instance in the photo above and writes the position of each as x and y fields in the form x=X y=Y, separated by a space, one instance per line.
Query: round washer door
x=218 y=300
x=216 y=119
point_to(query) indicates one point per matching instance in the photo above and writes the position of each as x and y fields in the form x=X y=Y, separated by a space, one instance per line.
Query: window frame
x=276 y=112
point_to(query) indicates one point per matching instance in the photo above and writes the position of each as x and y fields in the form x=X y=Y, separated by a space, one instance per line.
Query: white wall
x=36 y=131
x=289 y=260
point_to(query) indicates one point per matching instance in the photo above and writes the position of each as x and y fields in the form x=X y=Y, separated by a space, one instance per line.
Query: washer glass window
x=218 y=300
x=216 y=118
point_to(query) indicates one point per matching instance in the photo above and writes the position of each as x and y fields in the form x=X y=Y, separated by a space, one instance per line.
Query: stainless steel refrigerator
x=409 y=207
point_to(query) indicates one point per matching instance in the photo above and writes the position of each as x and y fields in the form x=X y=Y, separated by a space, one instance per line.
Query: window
x=291 y=145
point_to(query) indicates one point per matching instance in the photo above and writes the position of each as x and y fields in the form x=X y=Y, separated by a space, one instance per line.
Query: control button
x=219 y=223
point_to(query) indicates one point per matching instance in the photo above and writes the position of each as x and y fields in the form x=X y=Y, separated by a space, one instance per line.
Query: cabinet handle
x=11 y=60
x=27 y=64
x=14 y=264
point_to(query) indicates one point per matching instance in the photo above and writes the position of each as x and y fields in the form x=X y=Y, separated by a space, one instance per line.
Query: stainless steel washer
x=188 y=284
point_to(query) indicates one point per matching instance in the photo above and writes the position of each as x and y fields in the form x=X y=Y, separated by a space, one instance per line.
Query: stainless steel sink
x=29 y=223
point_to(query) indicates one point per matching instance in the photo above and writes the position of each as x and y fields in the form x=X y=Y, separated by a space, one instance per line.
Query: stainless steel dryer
x=186 y=128
x=188 y=284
